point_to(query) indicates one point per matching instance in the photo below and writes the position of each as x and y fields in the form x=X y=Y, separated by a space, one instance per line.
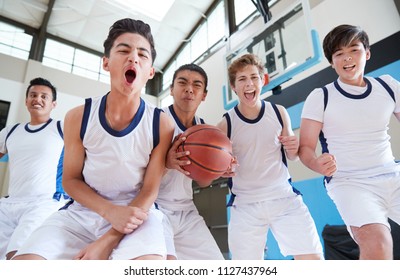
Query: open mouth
x=349 y=67
x=250 y=95
x=130 y=76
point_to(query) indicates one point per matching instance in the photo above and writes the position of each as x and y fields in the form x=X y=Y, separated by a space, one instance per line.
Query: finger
x=182 y=154
x=177 y=142
x=79 y=256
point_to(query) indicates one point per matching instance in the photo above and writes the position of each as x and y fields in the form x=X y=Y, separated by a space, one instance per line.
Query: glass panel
x=216 y=25
x=14 y=42
x=243 y=9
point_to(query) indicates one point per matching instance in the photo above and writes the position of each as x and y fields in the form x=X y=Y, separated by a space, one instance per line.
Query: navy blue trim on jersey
x=387 y=87
x=325 y=91
x=156 y=127
x=353 y=96
x=284 y=159
x=38 y=129
x=85 y=117
x=278 y=114
x=135 y=121
x=243 y=118
x=68 y=204
x=178 y=122
x=228 y=125
x=59 y=128
x=11 y=131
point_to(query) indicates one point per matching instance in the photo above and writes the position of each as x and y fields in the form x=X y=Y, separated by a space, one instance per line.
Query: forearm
x=86 y=196
x=293 y=156
x=307 y=157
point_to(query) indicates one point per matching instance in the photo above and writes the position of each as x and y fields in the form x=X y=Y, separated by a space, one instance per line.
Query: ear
x=233 y=88
x=152 y=73
x=368 y=54
x=105 y=63
x=54 y=104
x=204 y=95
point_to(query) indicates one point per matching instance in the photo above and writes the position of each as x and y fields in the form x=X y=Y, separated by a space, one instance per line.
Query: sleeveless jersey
x=35 y=160
x=261 y=174
x=116 y=161
x=176 y=192
x=355 y=125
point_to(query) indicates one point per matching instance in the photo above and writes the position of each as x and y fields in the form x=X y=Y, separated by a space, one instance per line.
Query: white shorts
x=68 y=231
x=289 y=221
x=192 y=238
x=19 y=219
x=368 y=200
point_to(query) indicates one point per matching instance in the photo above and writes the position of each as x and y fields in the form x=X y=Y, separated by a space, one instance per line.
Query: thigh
x=247 y=232
x=360 y=201
x=193 y=239
x=7 y=225
x=30 y=218
x=146 y=240
x=59 y=238
x=168 y=227
x=394 y=211
x=294 y=228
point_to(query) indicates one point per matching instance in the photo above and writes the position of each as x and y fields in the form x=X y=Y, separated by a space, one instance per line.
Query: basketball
x=210 y=152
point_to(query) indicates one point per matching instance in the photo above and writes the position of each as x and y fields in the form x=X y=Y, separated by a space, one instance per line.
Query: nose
x=134 y=57
x=189 y=88
x=347 y=58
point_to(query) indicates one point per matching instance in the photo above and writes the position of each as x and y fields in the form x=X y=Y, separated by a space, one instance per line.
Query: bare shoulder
x=73 y=118
x=223 y=125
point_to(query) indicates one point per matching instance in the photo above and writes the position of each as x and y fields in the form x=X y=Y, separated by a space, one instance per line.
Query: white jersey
x=355 y=125
x=262 y=173
x=116 y=161
x=35 y=160
x=176 y=192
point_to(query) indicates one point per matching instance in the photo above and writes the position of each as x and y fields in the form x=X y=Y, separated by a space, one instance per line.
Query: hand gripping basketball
x=210 y=152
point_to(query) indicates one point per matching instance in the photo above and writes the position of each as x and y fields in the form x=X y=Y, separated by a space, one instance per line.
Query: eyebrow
x=129 y=46
x=186 y=80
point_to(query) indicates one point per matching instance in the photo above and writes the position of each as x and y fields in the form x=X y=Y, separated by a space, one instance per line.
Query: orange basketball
x=210 y=152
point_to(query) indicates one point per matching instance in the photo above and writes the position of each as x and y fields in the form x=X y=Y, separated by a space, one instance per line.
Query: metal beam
x=39 y=38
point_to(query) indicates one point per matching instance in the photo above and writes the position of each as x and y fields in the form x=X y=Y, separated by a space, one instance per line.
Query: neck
x=186 y=118
x=38 y=120
x=250 y=113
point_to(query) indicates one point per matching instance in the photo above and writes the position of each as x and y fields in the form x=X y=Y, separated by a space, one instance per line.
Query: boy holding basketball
x=183 y=223
x=115 y=150
x=350 y=116
x=262 y=197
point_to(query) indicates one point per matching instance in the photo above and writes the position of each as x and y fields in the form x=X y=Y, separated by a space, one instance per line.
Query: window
x=14 y=41
x=210 y=33
x=69 y=59
x=243 y=9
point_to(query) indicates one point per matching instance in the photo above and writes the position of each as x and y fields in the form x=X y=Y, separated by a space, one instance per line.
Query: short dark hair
x=128 y=25
x=42 y=82
x=342 y=36
x=192 y=67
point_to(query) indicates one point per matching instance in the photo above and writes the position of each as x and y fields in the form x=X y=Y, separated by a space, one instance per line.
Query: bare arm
x=156 y=166
x=397 y=116
x=324 y=164
x=289 y=141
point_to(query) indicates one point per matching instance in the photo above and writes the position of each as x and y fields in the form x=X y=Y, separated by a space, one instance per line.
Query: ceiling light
x=154 y=9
